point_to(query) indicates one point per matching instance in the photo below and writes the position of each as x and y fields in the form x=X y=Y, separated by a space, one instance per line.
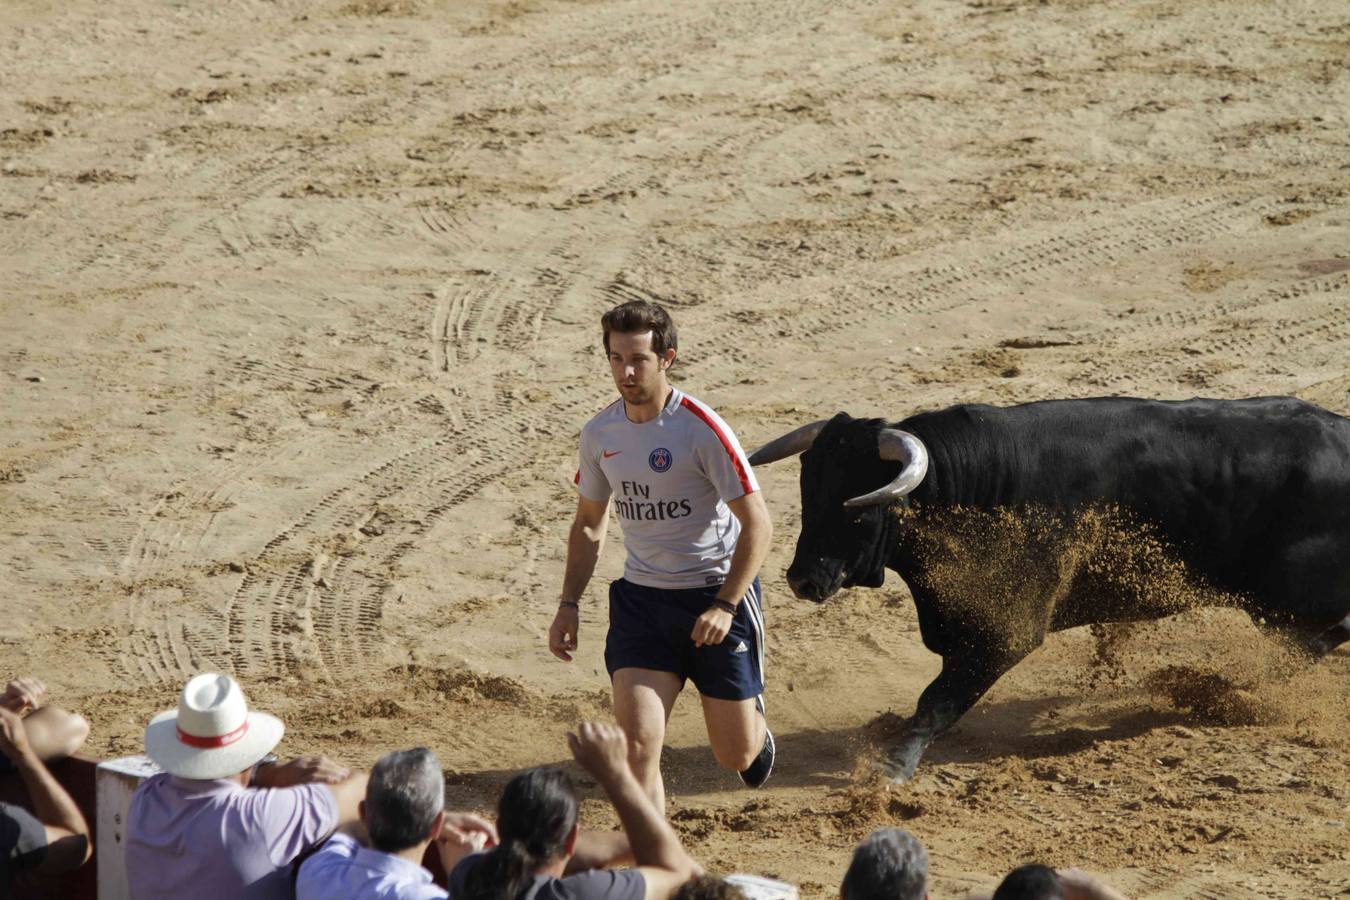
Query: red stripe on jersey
x=577 y=479
x=726 y=442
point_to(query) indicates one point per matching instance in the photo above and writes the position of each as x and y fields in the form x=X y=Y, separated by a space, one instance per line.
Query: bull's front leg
x=956 y=689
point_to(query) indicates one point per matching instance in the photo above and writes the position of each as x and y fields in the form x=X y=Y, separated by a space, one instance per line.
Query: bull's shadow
x=828 y=758
x=999 y=730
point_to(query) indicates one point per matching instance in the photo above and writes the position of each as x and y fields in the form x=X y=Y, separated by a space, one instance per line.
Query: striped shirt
x=671 y=479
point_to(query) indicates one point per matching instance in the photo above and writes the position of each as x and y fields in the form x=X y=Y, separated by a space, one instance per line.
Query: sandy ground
x=299 y=328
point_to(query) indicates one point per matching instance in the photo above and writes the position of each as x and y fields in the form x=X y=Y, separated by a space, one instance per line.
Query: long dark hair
x=535 y=815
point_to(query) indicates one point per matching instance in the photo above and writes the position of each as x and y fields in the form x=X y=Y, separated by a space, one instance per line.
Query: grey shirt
x=671 y=479
x=23 y=841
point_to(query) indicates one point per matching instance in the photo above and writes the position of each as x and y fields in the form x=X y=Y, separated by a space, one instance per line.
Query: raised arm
x=67 y=833
x=600 y=850
x=602 y=750
x=584 y=543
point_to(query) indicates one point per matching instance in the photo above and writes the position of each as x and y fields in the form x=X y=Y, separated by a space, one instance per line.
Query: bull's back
x=1217 y=479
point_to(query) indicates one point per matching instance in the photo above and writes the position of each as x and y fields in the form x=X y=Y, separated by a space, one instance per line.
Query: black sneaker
x=762 y=767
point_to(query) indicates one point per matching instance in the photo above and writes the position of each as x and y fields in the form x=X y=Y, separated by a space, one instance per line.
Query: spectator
x=1037 y=882
x=889 y=864
x=223 y=820
x=709 y=887
x=1030 y=882
x=54 y=836
x=404 y=811
x=541 y=857
x=52 y=733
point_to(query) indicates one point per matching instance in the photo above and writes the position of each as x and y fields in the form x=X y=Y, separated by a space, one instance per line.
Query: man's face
x=639 y=374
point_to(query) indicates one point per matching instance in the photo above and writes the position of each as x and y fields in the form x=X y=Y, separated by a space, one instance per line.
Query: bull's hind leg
x=1330 y=639
x=956 y=689
x=1305 y=592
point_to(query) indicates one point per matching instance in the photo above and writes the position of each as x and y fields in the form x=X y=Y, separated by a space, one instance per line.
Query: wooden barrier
x=77 y=776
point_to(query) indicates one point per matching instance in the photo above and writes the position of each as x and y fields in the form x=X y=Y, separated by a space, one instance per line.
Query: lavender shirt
x=344 y=870
x=217 y=840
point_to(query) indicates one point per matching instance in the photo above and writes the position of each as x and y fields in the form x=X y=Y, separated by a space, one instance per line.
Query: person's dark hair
x=405 y=793
x=889 y=864
x=708 y=887
x=638 y=316
x=535 y=815
x=1030 y=882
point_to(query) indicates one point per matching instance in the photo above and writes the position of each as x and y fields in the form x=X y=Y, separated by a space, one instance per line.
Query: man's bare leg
x=735 y=731
x=643 y=699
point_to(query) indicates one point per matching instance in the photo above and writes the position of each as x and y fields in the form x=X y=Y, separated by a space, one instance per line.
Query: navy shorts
x=649 y=628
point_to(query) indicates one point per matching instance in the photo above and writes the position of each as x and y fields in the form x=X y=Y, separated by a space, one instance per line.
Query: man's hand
x=301 y=770
x=600 y=748
x=480 y=830
x=562 y=634
x=13 y=737
x=712 y=627
x=23 y=695
x=462 y=834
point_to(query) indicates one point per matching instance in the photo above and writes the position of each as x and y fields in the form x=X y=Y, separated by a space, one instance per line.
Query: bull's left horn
x=902 y=447
x=790 y=444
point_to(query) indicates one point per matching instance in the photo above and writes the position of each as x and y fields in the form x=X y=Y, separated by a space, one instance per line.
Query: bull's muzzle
x=808 y=588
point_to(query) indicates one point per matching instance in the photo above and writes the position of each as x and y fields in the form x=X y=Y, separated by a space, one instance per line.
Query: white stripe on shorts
x=756 y=616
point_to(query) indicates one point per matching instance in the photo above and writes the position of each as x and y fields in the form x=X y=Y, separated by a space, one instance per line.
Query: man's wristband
x=724 y=605
x=570 y=604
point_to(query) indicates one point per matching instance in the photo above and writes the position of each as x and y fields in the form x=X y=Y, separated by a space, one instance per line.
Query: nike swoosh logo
x=608 y=453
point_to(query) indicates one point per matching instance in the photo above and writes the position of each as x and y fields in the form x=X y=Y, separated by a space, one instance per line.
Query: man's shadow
x=816 y=758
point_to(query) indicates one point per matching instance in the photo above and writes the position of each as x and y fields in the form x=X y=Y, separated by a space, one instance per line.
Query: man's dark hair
x=1030 y=882
x=708 y=887
x=405 y=793
x=638 y=316
x=889 y=864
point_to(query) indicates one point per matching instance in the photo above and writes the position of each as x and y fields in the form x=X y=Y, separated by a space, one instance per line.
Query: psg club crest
x=660 y=459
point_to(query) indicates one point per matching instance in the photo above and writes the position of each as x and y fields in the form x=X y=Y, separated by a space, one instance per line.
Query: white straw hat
x=212 y=734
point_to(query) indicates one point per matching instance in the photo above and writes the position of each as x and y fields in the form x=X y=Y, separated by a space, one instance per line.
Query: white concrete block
x=114 y=783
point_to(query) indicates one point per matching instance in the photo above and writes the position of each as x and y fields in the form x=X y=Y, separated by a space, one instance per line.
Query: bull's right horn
x=902 y=447
x=790 y=444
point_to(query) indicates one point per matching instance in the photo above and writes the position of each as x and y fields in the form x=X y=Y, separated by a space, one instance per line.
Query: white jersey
x=671 y=479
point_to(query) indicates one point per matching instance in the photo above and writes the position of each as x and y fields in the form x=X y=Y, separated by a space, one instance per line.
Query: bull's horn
x=902 y=447
x=790 y=444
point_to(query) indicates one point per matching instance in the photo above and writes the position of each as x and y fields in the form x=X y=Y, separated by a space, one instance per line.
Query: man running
x=697 y=531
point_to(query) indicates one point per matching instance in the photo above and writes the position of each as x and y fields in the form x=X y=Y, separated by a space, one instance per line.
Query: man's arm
x=67 y=833
x=347 y=795
x=751 y=548
x=602 y=750
x=1079 y=885
x=599 y=850
x=584 y=543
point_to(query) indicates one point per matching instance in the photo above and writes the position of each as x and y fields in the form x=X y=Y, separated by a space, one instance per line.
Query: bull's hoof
x=897 y=767
x=891 y=772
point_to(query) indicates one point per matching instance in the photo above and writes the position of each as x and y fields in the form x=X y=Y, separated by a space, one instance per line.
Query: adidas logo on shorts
x=741 y=648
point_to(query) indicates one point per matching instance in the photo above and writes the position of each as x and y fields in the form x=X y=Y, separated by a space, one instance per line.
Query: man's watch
x=570 y=604
x=724 y=605
x=269 y=759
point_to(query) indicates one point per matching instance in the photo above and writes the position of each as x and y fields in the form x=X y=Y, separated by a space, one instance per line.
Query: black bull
x=1008 y=523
